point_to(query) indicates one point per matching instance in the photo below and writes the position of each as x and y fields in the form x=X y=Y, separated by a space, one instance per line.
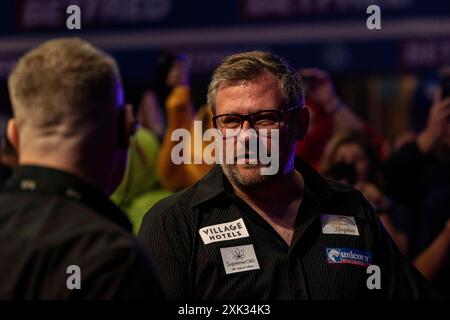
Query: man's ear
x=302 y=122
x=128 y=125
x=12 y=134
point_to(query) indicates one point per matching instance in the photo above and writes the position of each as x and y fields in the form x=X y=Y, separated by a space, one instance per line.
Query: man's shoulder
x=180 y=201
x=50 y=220
x=347 y=199
x=331 y=194
x=49 y=234
x=339 y=187
x=176 y=212
x=96 y=260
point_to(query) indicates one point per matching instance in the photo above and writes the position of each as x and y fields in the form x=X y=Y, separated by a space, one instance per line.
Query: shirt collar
x=57 y=182
x=209 y=187
x=214 y=184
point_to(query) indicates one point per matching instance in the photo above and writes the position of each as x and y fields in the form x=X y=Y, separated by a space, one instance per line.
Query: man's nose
x=246 y=125
x=246 y=131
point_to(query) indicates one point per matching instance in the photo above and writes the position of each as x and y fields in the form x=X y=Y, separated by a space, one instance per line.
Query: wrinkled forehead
x=265 y=79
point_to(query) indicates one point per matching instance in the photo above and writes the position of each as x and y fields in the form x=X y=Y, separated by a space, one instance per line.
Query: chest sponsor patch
x=348 y=256
x=335 y=224
x=224 y=231
x=239 y=259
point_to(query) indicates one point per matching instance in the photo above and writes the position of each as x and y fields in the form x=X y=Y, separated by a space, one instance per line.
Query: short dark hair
x=249 y=66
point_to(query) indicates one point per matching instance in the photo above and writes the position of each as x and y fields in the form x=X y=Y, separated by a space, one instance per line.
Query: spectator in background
x=140 y=188
x=167 y=75
x=151 y=175
x=180 y=115
x=329 y=115
x=418 y=174
x=71 y=130
x=351 y=158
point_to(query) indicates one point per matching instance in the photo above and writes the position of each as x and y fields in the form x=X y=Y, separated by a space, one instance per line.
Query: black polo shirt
x=207 y=243
x=51 y=220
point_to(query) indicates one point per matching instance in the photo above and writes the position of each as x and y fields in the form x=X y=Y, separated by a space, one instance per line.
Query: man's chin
x=247 y=166
x=248 y=170
x=245 y=175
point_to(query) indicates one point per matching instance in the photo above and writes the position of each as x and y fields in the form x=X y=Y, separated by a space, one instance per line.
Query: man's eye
x=231 y=120
x=266 y=119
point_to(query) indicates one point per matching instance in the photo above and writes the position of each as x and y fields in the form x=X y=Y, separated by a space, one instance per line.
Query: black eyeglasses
x=230 y=124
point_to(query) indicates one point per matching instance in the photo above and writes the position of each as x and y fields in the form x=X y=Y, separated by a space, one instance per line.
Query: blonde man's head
x=63 y=84
x=66 y=95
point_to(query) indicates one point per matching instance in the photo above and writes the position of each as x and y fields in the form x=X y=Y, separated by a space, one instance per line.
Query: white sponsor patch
x=239 y=259
x=224 y=231
x=335 y=224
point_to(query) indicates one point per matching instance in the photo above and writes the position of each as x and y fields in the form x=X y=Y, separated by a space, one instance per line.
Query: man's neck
x=81 y=153
x=277 y=203
x=283 y=189
x=66 y=164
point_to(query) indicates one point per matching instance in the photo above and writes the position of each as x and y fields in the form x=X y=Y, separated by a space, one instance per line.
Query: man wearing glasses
x=242 y=234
